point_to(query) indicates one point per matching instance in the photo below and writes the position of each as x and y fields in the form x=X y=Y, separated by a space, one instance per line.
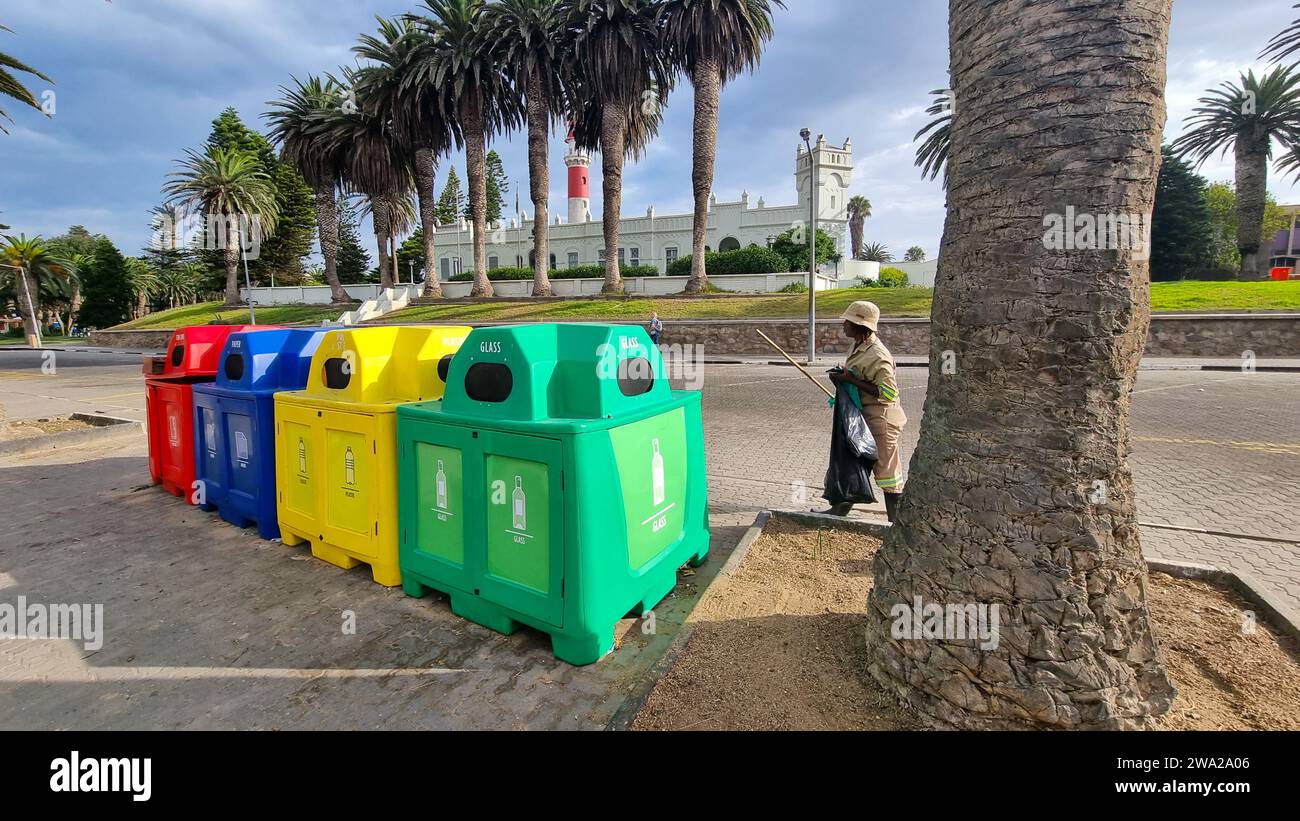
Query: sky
x=139 y=81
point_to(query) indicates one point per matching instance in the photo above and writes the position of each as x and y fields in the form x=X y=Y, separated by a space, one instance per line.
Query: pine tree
x=452 y=202
x=353 y=260
x=107 y=290
x=498 y=185
x=281 y=252
x=1182 y=234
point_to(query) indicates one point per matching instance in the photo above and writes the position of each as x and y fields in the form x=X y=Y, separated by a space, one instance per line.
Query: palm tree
x=1285 y=43
x=32 y=269
x=859 y=209
x=932 y=154
x=454 y=64
x=417 y=119
x=11 y=87
x=1020 y=493
x=876 y=252
x=1247 y=117
x=712 y=41
x=532 y=45
x=292 y=118
x=374 y=160
x=620 y=75
x=80 y=264
x=144 y=282
x=232 y=186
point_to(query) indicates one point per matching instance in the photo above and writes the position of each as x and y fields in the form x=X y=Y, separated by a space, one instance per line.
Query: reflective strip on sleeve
x=890 y=482
x=888 y=394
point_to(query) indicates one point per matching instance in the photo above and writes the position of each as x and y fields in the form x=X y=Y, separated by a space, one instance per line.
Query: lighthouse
x=579 y=163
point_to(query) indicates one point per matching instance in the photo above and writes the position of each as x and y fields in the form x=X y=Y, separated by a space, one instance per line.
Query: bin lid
x=196 y=350
x=556 y=371
x=268 y=360
x=383 y=364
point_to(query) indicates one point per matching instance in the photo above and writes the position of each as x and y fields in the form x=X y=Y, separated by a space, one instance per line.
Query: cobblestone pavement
x=1212 y=451
x=208 y=626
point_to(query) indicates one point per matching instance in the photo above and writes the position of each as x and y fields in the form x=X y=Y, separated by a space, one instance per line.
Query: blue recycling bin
x=234 y=423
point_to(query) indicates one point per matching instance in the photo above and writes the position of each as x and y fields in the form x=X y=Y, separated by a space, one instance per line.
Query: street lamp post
x=812 y=247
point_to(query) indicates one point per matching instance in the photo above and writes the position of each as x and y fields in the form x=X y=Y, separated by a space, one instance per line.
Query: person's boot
x=842 y=509
x=891 y=505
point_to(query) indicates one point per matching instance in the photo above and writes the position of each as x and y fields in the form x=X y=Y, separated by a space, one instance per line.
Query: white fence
x=650 y=286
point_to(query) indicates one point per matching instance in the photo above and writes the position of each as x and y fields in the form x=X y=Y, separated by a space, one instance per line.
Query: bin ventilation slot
x=444 y=365
x=636 y=377
x=235 y=367
x=489 y=382
x=337 y=373
x=178 y=356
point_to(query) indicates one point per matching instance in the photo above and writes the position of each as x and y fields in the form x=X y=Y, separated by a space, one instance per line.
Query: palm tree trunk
x=1021 y=494
x=539 y=180
x=29 y=305
x=856 y=223
x=476 y=170
x=613 y=142
x=327 y=220
x=232 y=262
x=1252 y=183
x=379 y=214
x=425 y=181
x=707 y=80
x=74 y=303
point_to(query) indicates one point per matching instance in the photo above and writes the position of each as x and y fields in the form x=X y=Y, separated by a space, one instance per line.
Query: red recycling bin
x=1280 y=273
x=192 y=357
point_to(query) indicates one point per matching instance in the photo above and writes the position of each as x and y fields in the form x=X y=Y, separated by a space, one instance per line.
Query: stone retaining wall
x=1203 y=335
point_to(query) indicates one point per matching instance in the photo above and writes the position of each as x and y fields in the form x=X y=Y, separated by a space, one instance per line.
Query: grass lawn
x=1165 y=297
x=205 y=312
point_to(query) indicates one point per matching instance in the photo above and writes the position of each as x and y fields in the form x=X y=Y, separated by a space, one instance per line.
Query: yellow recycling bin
x=336 y=441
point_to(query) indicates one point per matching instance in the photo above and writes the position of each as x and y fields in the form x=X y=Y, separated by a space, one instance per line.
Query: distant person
x=870 y=368
x=656 y=328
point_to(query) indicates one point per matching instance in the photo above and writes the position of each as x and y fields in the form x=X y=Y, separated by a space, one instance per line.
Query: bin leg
x=290 y=538
x=699 y=558
x=587 y=648
x=388 y=575
x=474 y=609
x=331 y=554
x=268 y=529
x=656 y=594
x=413 y=588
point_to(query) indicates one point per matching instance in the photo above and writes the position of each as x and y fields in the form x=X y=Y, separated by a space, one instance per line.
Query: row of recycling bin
x=542 y=475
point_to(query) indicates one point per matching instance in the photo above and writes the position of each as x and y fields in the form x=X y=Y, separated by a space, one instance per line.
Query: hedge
x=889 y=278
x=577 y=272
x=753 y=259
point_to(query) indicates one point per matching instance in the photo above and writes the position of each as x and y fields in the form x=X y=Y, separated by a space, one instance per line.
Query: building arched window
x=635 y=253
x=729 y=244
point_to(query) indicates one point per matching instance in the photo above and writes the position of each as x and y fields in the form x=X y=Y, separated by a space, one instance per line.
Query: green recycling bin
x=558 y=484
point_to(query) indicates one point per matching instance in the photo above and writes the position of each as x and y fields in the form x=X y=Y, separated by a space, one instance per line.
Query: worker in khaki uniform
x=870 y=368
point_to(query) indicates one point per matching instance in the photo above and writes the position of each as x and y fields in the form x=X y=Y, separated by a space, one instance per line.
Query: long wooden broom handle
x=801 y=368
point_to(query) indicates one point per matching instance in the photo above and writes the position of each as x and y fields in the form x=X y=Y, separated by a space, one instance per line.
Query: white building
x=658 y=240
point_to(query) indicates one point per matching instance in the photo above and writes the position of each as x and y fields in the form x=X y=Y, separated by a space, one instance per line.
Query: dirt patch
x=27 y=428
x=779 y=646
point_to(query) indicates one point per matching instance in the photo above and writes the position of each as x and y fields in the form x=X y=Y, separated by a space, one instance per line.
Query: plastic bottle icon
x=302 y=456
x=349 y=467
x=210 y=432
x=440 y=480
x=657 y=474
x=520 y=509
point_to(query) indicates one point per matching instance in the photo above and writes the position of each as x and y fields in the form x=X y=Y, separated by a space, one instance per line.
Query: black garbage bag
x=853 y=454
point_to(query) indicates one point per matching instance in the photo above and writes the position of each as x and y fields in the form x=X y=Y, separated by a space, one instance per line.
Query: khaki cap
x=863 y=313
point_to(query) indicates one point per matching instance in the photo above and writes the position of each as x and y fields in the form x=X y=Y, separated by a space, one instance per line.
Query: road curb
x=1276 y=613
x=105 y=428
x=641 y=690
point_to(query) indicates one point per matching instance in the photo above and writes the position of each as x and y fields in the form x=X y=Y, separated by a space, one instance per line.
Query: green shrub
x=753 y=259
x=577 y=272
x=794 y=288
x=889 y=278
x=15 y=330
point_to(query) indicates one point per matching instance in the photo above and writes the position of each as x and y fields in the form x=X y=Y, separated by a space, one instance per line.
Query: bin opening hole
x=178 y=356
x=235 y=367
x=489 y=382
x=444 y=366
x=636 y=376
x=337 y=373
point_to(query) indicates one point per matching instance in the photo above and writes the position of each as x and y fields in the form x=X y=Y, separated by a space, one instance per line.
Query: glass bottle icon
x=349 y=467
x=440 y=480
x=302 y=456
x=520 y=509
x=657 y=474
x=210 y=432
